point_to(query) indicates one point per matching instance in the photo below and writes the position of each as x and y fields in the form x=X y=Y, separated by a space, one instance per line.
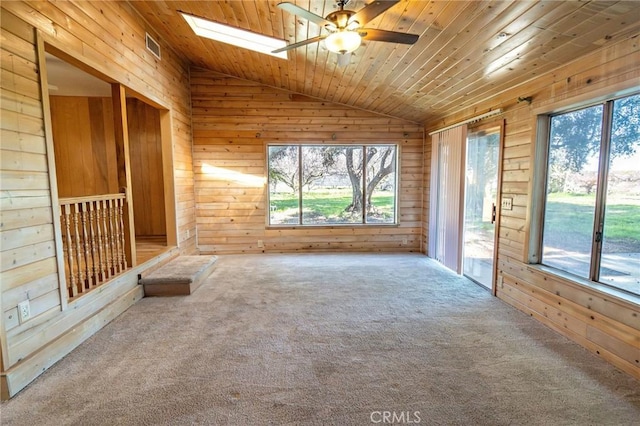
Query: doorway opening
x=148 y=184
x=98 y=184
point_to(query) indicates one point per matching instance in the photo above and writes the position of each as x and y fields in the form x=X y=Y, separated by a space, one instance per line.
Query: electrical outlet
x=24 y=311
x=260 y=244
x=507 y=204
x=500 y=281
x=188 y=233
x=405 y=241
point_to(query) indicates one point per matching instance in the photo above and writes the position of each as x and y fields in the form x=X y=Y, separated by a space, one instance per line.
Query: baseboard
x=4 y=388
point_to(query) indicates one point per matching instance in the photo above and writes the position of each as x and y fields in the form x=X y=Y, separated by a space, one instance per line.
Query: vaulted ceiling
x=467 y=51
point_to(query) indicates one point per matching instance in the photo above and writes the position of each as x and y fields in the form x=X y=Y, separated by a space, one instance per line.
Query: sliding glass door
x=481 y=190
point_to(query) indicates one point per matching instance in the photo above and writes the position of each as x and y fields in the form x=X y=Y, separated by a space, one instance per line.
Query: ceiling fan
x=346 y=28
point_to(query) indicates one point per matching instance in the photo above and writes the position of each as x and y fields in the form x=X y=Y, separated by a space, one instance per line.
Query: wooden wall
x=608 y=326
x=109 y=37
x=145 y=145
x=28 y=249
x=84 y=145
x=233 y=120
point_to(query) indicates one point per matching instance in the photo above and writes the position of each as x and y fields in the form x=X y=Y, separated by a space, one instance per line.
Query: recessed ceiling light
x=235 y=36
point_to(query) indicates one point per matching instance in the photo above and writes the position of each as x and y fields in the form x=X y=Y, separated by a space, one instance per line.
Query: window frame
x=538 y=191
x=364 y=223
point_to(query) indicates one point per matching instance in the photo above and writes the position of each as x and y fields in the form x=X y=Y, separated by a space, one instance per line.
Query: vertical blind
x=446 y=202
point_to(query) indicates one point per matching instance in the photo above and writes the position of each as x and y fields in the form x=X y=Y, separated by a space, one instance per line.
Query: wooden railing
x=93 y=238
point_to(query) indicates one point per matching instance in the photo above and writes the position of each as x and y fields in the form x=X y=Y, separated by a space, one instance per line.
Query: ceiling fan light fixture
x=343 y=41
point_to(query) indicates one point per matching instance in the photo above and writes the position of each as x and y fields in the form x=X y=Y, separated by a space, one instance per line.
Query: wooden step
x=180 y=277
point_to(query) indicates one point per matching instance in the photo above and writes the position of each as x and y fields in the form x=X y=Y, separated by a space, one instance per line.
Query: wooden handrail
x=75 y=200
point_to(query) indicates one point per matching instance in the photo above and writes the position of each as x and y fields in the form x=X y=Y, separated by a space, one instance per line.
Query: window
x=330 y=184
x=591 y=225
x=235 y=36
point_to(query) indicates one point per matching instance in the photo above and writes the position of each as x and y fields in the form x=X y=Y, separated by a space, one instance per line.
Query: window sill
x=590 y=286
x=335 y=226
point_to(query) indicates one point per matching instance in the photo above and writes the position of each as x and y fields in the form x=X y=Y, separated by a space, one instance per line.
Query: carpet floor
x=328 y=339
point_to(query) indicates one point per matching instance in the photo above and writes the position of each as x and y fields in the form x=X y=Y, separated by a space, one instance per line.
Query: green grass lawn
x=569 y=220
x=329 y=206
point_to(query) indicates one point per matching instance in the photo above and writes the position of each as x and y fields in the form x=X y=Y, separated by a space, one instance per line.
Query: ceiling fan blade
x=343 y=59
x=300 y=43
x=304 y=13
x=389 y=36
x=370 y=11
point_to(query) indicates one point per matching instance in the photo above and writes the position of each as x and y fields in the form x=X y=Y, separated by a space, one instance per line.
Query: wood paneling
x=467 y=51
x=607 y=325
x=108 y=38
x=145 y=145
x=233 y=120
x=26 y=230
x=84 y=146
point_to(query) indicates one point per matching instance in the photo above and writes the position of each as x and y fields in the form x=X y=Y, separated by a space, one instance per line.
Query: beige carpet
x=328 y=339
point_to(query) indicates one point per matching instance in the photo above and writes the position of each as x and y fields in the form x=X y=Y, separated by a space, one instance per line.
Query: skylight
x=235 y=36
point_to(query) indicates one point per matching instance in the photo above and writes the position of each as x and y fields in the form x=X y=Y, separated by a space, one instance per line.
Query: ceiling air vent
x=153 y=46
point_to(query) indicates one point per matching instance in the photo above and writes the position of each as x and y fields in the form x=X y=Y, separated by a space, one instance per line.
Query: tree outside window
x=332 y=184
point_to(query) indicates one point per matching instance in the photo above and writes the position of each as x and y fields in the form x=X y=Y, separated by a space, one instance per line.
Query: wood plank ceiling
x=467 y=51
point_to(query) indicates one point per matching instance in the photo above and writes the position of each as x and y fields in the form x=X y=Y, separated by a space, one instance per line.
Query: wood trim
x=124 y=164
x=169 y=182
x=4 y=355
x=494 y=284
x=357 y=225
x=4 y=388
x=538 y=154
x=75 y=200
x=51 y=163
x=85 y=64
x=147 y=100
